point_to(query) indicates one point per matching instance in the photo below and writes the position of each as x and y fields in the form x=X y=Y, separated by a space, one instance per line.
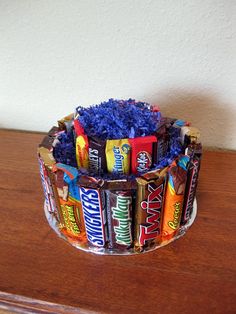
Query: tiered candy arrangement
x=119 y=178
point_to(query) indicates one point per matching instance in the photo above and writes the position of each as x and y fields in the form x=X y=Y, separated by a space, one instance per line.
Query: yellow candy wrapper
x=118 y=156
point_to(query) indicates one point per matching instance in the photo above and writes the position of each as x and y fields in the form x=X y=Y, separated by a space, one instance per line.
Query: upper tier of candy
x=120 y=137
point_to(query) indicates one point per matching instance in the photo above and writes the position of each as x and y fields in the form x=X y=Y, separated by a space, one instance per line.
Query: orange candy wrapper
x=73 y=219
x=174 y=197
x=69 y=198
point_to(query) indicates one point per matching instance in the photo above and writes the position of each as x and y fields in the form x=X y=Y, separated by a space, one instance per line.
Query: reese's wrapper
x=69 y=199
x=195 y=151
x=141 y=153
x=148 y=210
x=119 y=218
x=97 y=156
x=118 y=156
x=93 y=206
x=174 y=197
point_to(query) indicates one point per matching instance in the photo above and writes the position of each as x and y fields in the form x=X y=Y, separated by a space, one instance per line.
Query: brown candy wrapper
x=97 y=156
x=148 y=210
x=195 y=152
x=119 y=217
x=66 y=122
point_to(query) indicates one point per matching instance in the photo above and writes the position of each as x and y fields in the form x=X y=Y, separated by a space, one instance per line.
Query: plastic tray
x=105 y=251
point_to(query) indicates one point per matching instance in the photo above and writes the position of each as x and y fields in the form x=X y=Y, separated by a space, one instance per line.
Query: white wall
x=179 y=54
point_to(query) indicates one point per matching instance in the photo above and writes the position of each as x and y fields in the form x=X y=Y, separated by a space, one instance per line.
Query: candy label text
x=153 y=206
x=176 y=217
x=143 y=161
x=118 y=167
x=122 y=214
x=192 y=189
x=93 y=160
x=92 y=209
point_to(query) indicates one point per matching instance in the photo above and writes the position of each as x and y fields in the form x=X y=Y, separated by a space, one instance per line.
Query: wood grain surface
x=196 y=274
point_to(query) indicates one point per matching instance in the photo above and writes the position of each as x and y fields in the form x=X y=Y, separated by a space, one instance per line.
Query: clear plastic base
x=106 y=251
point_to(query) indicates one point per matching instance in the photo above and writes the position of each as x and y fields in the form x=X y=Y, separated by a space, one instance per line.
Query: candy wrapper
x=65 y=123
x=119 y=217
x=82 y=146
x=141 y=153
x=148 y=210
x=70 y=205
x=195 y=152
x=93 y=205
x=97 y=156
x=189 y=135
x=118 y=156
x=174 y=197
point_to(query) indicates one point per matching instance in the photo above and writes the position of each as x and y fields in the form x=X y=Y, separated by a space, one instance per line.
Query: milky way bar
x=119 y=218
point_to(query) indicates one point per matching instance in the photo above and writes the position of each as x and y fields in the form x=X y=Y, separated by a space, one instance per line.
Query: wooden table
x=196 y=274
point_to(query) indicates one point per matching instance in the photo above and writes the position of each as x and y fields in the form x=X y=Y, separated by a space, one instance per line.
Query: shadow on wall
x=204 y=111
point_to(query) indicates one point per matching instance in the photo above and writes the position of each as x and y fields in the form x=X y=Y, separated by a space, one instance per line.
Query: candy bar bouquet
x=119 y=178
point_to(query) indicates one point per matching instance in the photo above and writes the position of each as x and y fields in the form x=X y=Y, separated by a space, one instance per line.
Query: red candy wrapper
x=141 y=153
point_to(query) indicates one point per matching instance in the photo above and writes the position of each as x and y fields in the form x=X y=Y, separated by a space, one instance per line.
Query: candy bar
x=93 y=206
x=119 y=217
x=118 y=156
x=69 y=198
x=141 y=153
x=148 y=210
x=97 y=157
x=174 y=197
x=192 y=178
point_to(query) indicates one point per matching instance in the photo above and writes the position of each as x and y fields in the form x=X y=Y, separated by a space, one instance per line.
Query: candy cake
x=119 y=177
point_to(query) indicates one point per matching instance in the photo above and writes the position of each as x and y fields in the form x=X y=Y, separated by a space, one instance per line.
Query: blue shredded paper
x=64 y=151
x=116 y=119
